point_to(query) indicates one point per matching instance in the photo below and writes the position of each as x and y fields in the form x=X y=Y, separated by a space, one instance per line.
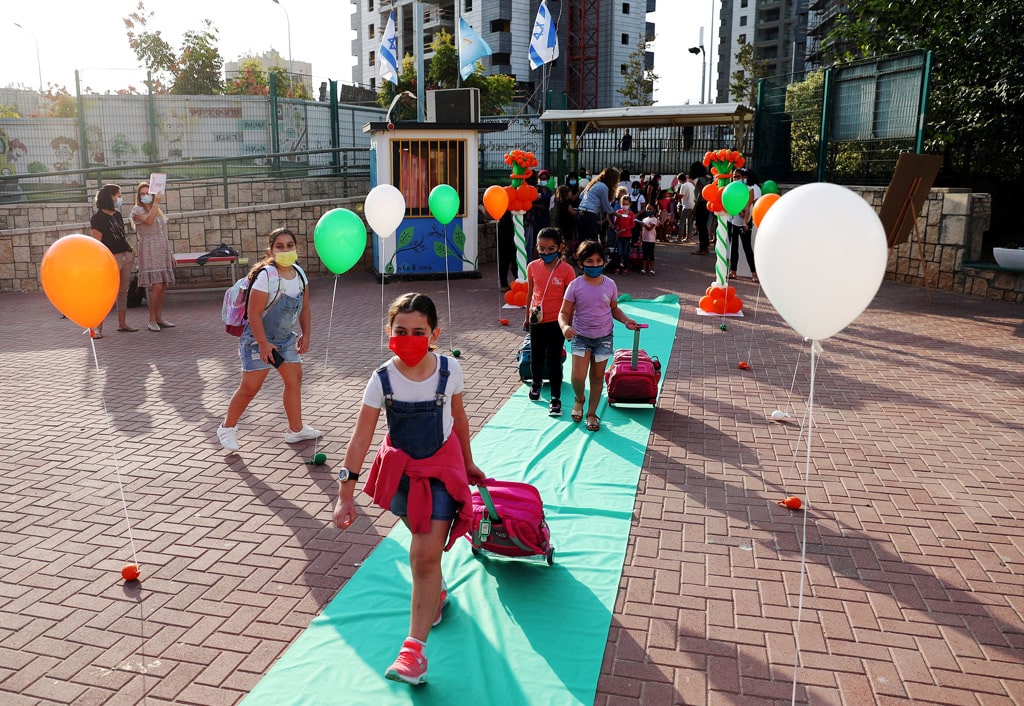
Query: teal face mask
x=593 y=271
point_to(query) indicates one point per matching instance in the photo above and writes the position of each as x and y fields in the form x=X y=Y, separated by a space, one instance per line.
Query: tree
x=743 y=85
x=495 y=91
x=976 y=105
x=196 y=70
x=251 y=79
x=639 y=80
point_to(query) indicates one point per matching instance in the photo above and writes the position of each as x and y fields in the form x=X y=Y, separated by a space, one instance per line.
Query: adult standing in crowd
x=596 y=207
x=698 y=173
x=740 y=225
x=156 y=261
x=108 y=227
x=686 y=203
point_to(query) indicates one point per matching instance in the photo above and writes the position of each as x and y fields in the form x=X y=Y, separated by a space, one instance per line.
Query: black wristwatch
x=346 y=475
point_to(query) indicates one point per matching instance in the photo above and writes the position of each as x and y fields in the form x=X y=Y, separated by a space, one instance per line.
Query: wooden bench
x=190 y=259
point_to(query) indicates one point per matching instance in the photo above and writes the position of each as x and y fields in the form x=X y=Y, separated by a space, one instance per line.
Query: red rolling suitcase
x=508 y=519
x=632 y=375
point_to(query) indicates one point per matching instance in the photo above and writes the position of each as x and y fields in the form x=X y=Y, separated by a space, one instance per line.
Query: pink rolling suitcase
x=508 y=519
x=632 y=375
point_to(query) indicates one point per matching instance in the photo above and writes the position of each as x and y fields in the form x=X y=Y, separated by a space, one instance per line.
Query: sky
x=91 y=37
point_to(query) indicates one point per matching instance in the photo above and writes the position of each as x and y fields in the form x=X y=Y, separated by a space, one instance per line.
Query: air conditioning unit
x=457 y=105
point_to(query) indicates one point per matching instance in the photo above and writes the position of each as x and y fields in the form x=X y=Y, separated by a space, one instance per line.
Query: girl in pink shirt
x=587 y=320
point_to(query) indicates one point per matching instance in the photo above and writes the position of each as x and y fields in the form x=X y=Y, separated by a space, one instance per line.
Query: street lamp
x=703 y=65
x=39 y=66
x=288 y=24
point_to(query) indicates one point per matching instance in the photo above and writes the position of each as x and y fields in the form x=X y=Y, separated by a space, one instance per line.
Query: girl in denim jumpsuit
x=422 y=471
x=269 y=340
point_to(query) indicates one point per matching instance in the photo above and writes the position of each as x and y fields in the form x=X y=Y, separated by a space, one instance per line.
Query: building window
x=469 y=5
x=625 y=8
x=373 y=87
x=501 y=59
x=369 y=5
x=371 y=32
x=417 y=166
x=743 y=21
x=623 y=69
x=373 y=58
x=743 y=39
x=743 y=3
x=625 y=38
x=501 y=25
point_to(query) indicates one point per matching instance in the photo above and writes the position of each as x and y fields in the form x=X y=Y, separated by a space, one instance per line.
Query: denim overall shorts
x=417 y=428
x=278 y=322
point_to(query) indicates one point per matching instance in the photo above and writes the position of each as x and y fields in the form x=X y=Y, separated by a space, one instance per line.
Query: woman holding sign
x=156 y=261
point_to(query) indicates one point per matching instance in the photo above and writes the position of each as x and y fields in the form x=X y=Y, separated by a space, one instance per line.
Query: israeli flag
x=544 y=43
x=472 y=48
x=389 y=52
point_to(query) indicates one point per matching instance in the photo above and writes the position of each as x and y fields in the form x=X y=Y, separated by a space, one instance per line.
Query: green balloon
x=769 y=187
x=444 y=203
x=735 y=197
x=340 y=239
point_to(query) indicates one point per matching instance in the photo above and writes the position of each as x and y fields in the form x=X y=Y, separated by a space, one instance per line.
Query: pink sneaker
x=410 y=666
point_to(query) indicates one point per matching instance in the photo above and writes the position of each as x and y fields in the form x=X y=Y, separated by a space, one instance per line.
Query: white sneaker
x=228 y=437
x=307 y=432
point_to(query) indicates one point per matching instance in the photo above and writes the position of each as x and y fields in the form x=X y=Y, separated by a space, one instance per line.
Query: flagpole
x=417 y=29
x=458 y=43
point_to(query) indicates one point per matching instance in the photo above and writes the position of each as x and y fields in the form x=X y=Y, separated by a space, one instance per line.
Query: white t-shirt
x=407 y=390
x=292 y=287
x=649 y=234
x=685 y=190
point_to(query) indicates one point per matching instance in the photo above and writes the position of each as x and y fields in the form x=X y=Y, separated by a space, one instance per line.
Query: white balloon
x=821 y=254
x=384 y=208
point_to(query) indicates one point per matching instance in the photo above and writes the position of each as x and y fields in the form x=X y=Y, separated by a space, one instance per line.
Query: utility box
x=456 y=106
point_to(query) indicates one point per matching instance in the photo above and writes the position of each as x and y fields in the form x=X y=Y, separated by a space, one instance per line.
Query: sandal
x=593 y=422
x=577 y=410
x=753 y=277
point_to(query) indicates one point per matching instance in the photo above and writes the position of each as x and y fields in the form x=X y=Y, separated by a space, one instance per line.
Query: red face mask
x=409 y=349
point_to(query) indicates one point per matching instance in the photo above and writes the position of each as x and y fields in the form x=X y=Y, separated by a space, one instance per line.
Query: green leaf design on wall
x=459 y=236
x=405 y=237
x=441 y=249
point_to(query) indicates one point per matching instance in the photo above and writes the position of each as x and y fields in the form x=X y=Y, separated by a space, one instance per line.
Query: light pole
x=704 y=62
x=288 y=24
x=39 y=66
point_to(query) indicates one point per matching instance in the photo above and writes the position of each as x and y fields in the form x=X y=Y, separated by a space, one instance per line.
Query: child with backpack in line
x=277 y=289
x=424 y=467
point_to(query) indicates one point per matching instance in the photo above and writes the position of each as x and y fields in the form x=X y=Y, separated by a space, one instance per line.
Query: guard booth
x=415 y=157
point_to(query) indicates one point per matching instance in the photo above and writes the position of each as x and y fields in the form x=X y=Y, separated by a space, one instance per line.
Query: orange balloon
x=733 y=305
x=528 y=194
x=496 y=201
x=510 y=297
x=519 y=299
x=80 y=278
x=761 y=207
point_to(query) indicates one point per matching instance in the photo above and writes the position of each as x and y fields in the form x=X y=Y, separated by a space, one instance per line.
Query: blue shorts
x=249 y=352
x=444 y=505
x=600 y=348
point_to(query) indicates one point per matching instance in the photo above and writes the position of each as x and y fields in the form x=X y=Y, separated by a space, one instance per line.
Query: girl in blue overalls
x=277 y=288
x=423 y=470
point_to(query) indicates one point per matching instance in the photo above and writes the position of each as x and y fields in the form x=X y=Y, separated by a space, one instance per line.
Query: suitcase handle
x=636 y=345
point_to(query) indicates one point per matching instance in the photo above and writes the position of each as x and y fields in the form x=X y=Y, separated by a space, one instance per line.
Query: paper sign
x=157 y=183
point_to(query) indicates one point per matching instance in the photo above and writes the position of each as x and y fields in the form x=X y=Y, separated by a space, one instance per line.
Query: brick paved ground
x=914 y=529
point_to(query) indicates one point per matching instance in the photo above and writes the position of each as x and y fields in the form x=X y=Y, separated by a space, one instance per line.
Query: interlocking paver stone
x=911 y=542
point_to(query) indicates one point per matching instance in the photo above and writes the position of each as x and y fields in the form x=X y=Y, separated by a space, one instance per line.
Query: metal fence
x=119 y=137
x=846 y=124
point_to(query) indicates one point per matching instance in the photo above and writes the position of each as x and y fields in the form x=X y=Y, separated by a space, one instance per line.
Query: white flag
x=389 y=52
x=544 y=43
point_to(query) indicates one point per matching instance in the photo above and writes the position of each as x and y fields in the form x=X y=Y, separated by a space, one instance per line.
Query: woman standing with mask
x=108 y=227
x=278 y=299
x=156 y=261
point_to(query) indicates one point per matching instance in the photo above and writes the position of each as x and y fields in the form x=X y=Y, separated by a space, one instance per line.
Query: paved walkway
x=913 y=538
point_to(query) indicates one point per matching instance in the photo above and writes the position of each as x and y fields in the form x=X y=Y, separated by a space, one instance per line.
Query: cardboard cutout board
x=905 y=197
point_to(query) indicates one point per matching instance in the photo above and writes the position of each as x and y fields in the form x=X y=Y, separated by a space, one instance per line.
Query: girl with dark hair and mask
x=278 y=300
x=424 y=467
x=108 y=227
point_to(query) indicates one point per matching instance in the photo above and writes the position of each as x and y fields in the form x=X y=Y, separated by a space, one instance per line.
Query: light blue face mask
x=119 y=202
x=593 y=271
x=146 y=198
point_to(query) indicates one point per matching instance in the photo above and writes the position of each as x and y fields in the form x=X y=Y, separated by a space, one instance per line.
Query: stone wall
x=26 y=230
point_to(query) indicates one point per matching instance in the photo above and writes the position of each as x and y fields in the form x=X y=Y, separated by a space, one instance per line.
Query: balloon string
x=757 y=303
x=383 y=317
x=113 y=446
x=448 y=290
x=789 y=397
x=327 y=348
x=803 y=540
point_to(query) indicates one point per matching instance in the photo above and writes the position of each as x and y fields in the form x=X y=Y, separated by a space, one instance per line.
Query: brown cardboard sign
x=905 y=197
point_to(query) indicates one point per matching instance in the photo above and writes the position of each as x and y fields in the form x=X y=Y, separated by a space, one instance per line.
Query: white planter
x=1009 y=257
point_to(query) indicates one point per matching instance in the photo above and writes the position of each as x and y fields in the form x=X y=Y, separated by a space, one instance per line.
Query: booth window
x=420 y=165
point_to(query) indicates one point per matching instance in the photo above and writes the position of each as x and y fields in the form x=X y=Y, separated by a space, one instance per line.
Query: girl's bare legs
x=596 y=386
x=251 y=383
x=579 y=379
x=425 y=560
x=291 y=373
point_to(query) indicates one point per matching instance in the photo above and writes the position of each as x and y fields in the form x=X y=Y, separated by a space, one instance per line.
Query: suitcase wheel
x=550 y=556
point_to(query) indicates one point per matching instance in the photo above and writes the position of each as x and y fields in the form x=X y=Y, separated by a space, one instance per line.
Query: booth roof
x=653 y=115
x=415 y=125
